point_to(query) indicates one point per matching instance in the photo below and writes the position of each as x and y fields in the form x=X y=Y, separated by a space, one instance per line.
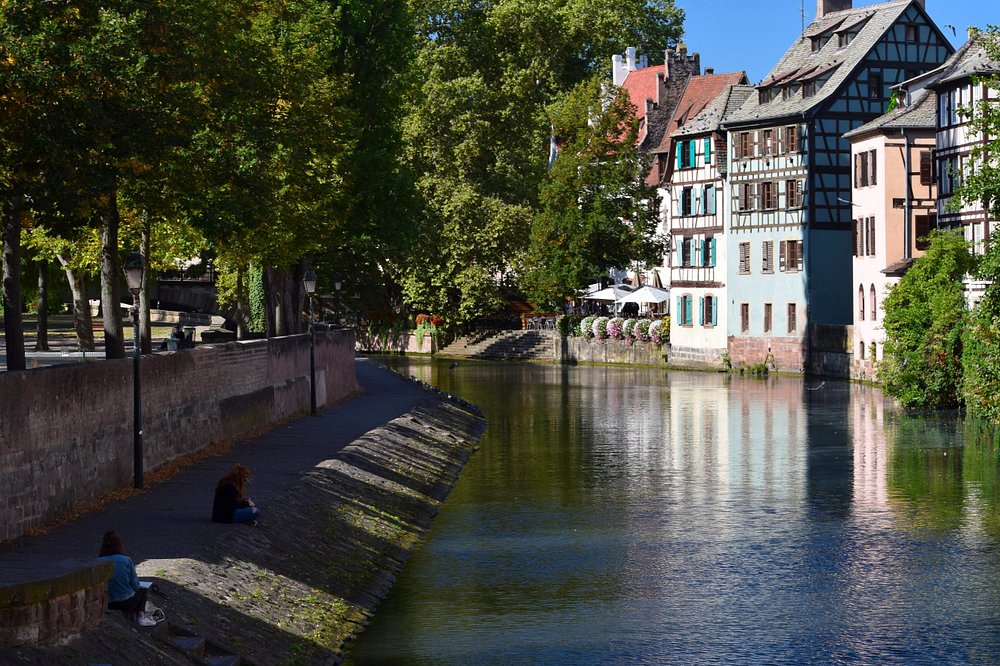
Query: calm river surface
x=626 y=516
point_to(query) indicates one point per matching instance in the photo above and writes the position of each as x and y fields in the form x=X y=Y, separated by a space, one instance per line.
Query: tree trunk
x=42 y=330
x=13 y=326
x=145 y=331
x=114 y=340
x=273 y=310
x=82 y=322
x=242 y=307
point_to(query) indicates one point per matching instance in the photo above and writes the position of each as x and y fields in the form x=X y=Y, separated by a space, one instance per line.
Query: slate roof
x=970 y=60
x=801 y=63
x=920 y=114
x=700 y=93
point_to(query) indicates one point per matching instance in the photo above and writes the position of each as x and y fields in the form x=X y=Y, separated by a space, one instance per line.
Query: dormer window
x=808 y=88
x=844 y=38
x=815 y=43
x=764 y=95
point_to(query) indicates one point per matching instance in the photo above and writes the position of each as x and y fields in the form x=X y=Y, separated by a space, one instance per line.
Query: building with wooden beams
x=790 y=228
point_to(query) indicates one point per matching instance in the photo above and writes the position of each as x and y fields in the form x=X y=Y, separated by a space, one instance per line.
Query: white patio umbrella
x=647 y=294
x=609 y=294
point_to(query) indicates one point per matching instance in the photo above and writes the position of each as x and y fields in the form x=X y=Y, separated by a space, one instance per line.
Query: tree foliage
x=924 y=317
x=478 y=127
x=597 y=210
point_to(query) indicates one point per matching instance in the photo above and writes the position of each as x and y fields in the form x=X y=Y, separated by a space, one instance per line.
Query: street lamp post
x=337 y=284
x=133 y=276
x=309 y=282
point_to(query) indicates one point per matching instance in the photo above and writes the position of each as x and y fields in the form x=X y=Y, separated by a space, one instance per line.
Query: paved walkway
x=173 y=519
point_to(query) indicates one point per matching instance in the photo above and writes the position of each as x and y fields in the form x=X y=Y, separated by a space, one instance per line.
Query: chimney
x=824 y=7
x=709 y=71
x=643 y=62
x=618 y=71
x=630 y=58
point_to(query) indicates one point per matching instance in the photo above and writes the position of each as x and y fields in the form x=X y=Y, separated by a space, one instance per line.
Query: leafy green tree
x=478 y=129
x=598 y=212
x=925 y=313
x=981 y=342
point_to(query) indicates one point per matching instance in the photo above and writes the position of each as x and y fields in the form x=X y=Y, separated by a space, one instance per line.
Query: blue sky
x=752 y=35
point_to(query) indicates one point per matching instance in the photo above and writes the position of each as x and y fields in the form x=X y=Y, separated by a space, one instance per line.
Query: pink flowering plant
x=586 y=327
x=641 y=330
x=629 y=330
x=601 y=328
x=615 y=330
x=659 y=331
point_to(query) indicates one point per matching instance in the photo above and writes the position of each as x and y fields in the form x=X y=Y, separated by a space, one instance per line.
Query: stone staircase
x=534 y=345
x=200 y=650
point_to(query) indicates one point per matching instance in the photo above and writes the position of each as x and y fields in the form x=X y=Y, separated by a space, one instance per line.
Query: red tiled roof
x=641 y=85
x=700 y=91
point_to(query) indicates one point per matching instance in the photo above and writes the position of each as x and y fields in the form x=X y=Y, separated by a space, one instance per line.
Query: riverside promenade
x=299 y=471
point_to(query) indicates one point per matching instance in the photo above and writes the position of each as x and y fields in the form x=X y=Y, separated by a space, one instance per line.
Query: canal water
x=634 y=516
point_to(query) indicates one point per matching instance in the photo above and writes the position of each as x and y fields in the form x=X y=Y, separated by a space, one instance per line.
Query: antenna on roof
x=802 y=10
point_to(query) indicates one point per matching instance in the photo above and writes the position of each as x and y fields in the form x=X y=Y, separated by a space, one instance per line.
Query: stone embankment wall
x=66 y=432
x=616 y=352
x=305 y=581
x=396 y=343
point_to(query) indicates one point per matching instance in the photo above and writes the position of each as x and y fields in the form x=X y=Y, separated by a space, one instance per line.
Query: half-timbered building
x=790 y=227
x=959 y=87
x=694 y=162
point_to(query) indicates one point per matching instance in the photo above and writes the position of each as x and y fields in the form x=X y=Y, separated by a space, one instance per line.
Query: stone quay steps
x=203 y=651
x=533 y=345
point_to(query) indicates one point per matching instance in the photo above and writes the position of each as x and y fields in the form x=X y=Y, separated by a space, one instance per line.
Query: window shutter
x=680 y=162
x=871 y=167
x=708 y=150
x=701 y=311
x=854 y=237
x=857 y=170
x=715 y=310
x=781 y=255
x=680 y=309
x=711 y=248
x=710 y=196
x=925 y=167
x=798 y=255
x=687 y=310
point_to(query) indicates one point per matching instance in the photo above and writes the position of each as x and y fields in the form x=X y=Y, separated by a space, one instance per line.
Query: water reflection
x=634 y=516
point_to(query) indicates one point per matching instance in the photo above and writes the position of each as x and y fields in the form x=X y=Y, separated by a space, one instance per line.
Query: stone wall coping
x=63 y=577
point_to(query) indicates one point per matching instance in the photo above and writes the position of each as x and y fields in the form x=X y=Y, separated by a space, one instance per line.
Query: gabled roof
x=731 y=98
x=970 y=60
x=700 y=93
x=800 y=62
x=641 y=85
x=920 y=114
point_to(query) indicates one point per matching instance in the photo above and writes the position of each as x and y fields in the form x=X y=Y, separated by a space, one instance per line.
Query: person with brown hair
x=230 y=504
x=124 y=592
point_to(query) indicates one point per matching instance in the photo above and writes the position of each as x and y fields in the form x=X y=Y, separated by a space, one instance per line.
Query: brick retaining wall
x=66 y=431
x=63 y=604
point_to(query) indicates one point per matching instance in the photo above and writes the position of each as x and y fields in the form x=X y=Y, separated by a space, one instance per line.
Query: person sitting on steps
x=124 y=592
x=230 y=504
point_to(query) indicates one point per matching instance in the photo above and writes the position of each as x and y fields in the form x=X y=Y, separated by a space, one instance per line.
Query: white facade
x=696 y=210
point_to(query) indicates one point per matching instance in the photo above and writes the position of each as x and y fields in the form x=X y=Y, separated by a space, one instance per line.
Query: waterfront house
x=655 y=92
x=790 y=227
x=893 y=201
x=694 y=163
x=958 y=88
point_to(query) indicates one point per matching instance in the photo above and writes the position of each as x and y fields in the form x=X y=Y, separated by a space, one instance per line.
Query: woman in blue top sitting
x=124 y=591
